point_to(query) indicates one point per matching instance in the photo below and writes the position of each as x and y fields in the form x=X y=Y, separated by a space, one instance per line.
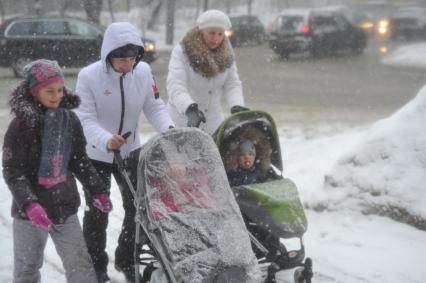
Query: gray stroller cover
x=189 y=213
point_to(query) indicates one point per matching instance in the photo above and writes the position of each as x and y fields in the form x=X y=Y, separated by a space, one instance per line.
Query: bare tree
x=205 y=5
x=170 y=21
x=154 y=15
x=228 y=7
x=2 y=9
x=111 y=10
x=93 y=10
x=63 y=6
x=249 y=4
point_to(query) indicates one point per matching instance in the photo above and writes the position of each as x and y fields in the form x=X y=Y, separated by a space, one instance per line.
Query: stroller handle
x=121 y=168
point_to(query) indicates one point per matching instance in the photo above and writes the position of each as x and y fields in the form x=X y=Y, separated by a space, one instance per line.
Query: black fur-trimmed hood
x=204 y=61
x=24 y=107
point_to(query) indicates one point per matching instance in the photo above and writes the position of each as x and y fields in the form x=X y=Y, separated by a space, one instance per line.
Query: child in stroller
x=247 y=172
x=250 y=150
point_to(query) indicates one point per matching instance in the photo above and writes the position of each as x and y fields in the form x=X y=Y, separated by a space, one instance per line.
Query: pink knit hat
x=41 y=73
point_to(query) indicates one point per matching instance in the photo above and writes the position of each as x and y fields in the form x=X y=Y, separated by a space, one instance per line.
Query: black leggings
x=95 y=222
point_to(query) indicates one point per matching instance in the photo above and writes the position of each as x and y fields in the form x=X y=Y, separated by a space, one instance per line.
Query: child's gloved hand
x=102 y=202
x=37 y=215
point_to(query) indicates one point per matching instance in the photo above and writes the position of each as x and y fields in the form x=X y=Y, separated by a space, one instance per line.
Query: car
x=246 y=29
x=355 y=17
x=72 y=42
x=315 y=31
x=408 y=23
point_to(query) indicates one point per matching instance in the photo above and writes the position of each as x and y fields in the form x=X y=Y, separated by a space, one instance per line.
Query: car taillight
x=304 y=28
x=3 y=24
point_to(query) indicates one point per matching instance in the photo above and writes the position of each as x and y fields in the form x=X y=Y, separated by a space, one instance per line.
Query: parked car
x=408 y=23
x=315 y=31
x=246 y=29
x=73 y=42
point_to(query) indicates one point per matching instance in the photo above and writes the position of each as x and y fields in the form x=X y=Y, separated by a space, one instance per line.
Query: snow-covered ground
x=363 y=188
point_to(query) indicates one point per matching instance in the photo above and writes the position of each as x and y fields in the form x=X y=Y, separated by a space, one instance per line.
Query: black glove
x=238 y=108
x=195 y=116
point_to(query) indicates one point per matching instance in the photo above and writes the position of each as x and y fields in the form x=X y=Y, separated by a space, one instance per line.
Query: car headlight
x=228 y=33
x=367 y=25
x=383 y=27
x=149 y=47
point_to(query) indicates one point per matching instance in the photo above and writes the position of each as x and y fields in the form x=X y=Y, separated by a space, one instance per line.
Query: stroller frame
x=151 y=256
x=259 y=126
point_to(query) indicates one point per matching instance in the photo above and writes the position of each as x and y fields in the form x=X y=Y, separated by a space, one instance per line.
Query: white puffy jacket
x=185 y=86
x=100 y=111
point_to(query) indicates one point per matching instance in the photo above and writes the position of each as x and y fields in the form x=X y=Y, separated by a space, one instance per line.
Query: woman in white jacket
x=114 y=92
x=202 y=69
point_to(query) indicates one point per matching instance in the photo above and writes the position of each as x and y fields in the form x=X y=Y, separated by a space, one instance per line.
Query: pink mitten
x=102 y=202
x=37 y=215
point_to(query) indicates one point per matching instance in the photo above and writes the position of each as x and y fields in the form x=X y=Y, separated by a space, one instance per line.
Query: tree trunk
x=249 y=2
x=170 y=21
x=63 y=7
x=93 y=10
x=197 y=10
x=228 y=7
x=154 y=15
x=111 y=10
x=2 y=9
x=205 y=5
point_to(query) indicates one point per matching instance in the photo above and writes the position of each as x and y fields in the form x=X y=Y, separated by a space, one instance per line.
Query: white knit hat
x=213 y=19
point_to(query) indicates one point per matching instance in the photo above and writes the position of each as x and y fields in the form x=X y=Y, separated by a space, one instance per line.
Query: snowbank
x=412 y=55
x=385 y=173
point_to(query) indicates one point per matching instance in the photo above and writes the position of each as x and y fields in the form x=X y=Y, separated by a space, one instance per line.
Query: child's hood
x=23 y=105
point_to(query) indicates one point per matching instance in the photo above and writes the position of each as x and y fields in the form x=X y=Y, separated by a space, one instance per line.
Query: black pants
x=95 y=222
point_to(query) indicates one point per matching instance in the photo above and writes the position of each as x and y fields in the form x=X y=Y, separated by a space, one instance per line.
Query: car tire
x=19 y=64
x=284 y=54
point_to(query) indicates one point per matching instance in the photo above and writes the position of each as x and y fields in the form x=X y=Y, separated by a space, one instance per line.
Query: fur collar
x=25 y=108
x=204 y=61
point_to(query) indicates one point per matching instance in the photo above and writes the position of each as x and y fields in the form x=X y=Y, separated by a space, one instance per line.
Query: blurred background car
x=408 y=23
x=355 y=17
x=315 y=31
x=379 y=12
x=246 y=29
x=73 y=42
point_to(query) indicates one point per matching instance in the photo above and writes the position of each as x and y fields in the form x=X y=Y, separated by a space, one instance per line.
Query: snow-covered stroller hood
x=188 y=211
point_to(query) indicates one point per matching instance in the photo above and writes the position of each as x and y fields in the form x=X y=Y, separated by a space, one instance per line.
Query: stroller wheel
x=304 y=274
x=298 y=276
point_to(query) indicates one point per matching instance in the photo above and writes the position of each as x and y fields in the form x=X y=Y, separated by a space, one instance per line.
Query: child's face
x=51 y=95
x=246 y=160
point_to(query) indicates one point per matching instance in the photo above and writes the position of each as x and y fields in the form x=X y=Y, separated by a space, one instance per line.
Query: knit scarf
x=56 y=147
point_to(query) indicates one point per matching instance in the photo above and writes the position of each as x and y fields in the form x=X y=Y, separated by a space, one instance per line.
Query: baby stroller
x=271 y=209
x=187 y=214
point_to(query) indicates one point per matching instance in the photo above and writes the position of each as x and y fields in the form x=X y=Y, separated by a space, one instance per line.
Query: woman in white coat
x=202 y=70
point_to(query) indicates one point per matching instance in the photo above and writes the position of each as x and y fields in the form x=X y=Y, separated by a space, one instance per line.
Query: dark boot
x=103 y=277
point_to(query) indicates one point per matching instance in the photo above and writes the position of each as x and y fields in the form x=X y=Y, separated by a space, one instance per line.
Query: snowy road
x=344 y=89
x=348 y=90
